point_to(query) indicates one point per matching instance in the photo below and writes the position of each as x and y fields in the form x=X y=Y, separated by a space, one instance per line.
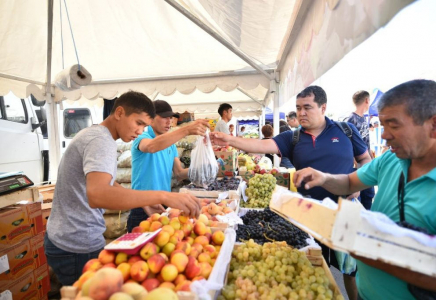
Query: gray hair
x=418 y=96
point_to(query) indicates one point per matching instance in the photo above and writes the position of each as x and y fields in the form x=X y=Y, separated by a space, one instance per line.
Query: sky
x=403 y=50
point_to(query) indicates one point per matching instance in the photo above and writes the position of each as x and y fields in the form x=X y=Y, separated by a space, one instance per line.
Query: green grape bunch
x=274 y=271
x=259 y=191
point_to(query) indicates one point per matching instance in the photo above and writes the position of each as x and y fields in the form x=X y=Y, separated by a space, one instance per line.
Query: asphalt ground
x=339 y=281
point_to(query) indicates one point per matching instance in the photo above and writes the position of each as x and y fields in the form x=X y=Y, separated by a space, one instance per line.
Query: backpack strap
x=345 y=127
x=295 y=137
x=295 y=140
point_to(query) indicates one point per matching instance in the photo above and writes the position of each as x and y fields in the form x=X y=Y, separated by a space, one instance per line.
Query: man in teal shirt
x=408 y=114
x=155 y=158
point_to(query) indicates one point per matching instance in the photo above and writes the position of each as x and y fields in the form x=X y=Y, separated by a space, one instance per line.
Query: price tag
x=6 y=295
x=4 y=264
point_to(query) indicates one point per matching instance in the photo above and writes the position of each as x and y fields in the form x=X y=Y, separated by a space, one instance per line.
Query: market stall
x=197 y=49
x=257 y=71
x=236 y=247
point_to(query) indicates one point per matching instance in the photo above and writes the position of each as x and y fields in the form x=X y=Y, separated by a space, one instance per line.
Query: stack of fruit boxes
x=23 y=267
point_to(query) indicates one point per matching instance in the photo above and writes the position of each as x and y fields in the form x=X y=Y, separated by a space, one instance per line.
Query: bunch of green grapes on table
x=259 y=191
x=274 y=271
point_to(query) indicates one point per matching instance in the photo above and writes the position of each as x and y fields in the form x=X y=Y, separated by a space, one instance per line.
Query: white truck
x=23 y=133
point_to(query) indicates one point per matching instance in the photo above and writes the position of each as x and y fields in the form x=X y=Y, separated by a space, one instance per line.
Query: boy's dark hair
x=135 y=102
x=267 y=131
x=359 y=97
x=242 y=127
x=318 y=92
x=223 y=107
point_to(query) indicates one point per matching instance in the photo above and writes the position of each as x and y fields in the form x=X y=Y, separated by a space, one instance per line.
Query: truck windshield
x=75 y=120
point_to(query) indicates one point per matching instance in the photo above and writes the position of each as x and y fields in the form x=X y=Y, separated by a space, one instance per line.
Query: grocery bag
x=204 y=167
x=347 y=264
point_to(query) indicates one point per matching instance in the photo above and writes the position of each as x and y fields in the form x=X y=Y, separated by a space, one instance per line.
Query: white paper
x=231 y=218
x=4 y=264
x=6 y=295
x=222 y=196
x=243 y=188
x=384 y=224
x=217 y=276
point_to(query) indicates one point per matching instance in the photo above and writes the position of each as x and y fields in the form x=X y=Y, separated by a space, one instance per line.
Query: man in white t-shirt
x=225 y=111
x=86 y=186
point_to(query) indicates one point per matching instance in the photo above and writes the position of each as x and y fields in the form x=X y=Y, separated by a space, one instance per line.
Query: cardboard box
x=45 y=214
x=283 y=178
x=47 y=192
x=33 y=285
x=185 y=117
x=19 y=222
x=228 y=162
x=347 y=230
x=23 y=258
x=27 y=194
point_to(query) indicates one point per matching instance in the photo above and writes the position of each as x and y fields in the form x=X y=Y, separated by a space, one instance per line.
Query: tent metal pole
x=153 y=97
x=242 y=101
x=2 y=75
x=261 y=122
x=52 y=113
x=276 y=119
x=216 y=36
x=250 y=96
x=177 y=77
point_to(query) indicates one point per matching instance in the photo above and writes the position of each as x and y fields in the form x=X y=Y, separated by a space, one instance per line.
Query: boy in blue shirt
x=154 y=158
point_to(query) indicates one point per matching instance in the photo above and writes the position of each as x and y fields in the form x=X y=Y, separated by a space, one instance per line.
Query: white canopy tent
x=254 y=50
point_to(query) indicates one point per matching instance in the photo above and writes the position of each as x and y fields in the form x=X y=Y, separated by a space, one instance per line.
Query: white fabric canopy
x=150 y=46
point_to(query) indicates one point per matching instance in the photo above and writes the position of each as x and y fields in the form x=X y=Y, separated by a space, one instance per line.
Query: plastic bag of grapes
x=203 y=168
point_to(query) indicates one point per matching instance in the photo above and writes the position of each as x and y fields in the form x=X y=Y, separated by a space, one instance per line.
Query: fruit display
x=274 y=271
x=224 y=184
x=266 y=226
x=223 y=148
x=182 y=252
x=210 y=209
x=259 y=191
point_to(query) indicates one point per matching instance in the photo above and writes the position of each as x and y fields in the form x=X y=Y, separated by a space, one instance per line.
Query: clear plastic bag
x=203 y=168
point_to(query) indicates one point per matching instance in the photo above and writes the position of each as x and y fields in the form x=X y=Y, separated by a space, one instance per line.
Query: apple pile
x=180 y=253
